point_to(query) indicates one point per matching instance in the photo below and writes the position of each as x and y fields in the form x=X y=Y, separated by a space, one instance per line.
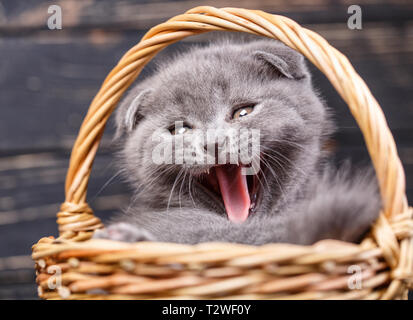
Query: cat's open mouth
x=240 y=193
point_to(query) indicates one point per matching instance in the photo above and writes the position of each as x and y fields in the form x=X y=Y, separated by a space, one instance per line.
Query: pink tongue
x=234 y=191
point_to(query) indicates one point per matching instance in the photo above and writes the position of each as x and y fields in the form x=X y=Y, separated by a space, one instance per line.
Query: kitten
x=297 y=196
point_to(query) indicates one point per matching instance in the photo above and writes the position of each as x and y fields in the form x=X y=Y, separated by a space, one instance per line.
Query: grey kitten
x=297 y=196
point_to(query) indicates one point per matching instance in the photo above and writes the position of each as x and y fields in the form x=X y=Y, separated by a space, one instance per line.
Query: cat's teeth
x=253 y=202
x=252 y=207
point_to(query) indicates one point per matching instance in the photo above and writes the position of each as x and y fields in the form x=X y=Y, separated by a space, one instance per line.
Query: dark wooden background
x=48 y=78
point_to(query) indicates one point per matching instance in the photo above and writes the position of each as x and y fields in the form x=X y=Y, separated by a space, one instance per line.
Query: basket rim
x=324 y=269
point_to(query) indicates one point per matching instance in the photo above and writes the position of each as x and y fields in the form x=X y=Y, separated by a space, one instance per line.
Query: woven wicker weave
x=74 y=267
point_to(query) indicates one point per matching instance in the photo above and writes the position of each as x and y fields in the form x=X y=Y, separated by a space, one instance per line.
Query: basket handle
x=76 y=219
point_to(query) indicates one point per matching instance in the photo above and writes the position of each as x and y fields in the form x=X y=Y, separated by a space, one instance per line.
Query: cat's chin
x=240 y=193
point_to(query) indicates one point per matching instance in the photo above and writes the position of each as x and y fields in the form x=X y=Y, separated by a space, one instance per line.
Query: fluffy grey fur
x=304 y=199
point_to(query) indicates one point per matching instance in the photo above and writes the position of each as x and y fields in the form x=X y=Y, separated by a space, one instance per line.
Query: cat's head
x=224 y=88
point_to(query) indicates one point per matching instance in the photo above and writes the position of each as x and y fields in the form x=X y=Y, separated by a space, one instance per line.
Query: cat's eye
x=179 y=130
x=243 y=111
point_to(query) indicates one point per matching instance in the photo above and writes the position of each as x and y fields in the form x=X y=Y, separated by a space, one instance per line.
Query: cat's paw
x=123 y=232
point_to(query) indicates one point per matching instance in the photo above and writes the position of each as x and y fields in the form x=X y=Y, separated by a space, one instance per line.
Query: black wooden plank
x=32 y=189
x=16 y=276
x=47 y=85
x=125 y=14
x=23 y=291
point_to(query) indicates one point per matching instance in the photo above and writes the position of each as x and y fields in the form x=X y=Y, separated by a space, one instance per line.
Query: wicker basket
x=74 y=266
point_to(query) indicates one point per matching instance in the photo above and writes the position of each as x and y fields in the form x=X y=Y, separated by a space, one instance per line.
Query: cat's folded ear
x=131 y=111
x=280 y=60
